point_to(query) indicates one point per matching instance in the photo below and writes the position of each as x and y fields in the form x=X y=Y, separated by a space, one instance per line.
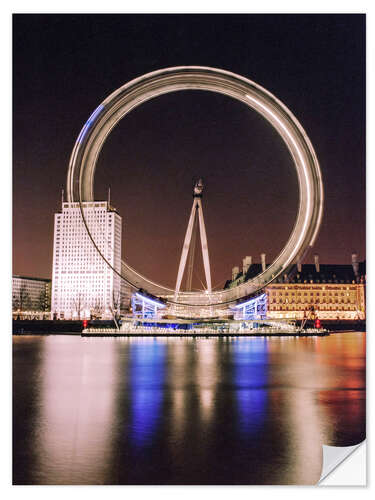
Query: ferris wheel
x=81 y=171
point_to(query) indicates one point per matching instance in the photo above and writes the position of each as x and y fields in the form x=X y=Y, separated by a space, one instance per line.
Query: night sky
x=65 y=65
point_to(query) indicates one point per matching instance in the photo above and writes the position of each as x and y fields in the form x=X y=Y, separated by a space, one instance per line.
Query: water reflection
x=343 y=396
x=179 y=369
x=206 y=377
x=184 y=411
x=250 y=379
x=147 y=374
x=75 y=425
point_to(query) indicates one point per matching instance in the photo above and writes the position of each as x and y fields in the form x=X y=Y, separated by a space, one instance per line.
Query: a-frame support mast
x=197 y=206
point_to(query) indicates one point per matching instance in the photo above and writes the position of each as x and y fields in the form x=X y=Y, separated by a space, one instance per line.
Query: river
x=184 y=411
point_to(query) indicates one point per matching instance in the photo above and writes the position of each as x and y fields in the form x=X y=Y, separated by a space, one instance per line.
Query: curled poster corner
x=355 y=465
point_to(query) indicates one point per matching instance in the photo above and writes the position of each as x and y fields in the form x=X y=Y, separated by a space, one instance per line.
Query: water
x=183 y=411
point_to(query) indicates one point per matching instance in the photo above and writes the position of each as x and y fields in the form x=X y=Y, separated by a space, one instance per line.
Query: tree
x=116 y=304
x=98 y=308
x=42 y=299
x=21 y=299
x=78 y=304
x=15 y=302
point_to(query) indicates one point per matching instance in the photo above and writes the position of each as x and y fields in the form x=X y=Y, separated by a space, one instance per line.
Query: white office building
x=83 y=284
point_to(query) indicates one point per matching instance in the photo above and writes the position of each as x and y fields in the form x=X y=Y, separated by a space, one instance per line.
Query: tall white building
x=83 y=285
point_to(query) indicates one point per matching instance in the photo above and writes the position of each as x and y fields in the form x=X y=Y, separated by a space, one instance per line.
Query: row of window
x=298 y=287
x=333 y=307
x=315 y=294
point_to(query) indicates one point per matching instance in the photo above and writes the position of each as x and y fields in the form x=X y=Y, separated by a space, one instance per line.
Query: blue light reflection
x=147 y=375
x=250 y=358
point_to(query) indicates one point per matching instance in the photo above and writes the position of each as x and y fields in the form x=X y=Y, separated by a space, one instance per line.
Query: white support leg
x=206 y=260
x=185 y=249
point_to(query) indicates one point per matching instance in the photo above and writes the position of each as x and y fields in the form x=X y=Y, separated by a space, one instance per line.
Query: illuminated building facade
x=144 y=305
x=83 y=285
x=255 y=308
x=324 y=291
x=30 y=295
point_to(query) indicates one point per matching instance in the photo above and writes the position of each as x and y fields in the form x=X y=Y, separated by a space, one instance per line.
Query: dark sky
x=65 y=65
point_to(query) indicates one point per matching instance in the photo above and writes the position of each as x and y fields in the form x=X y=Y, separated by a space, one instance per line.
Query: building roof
x=47 y=280
x=328 y=273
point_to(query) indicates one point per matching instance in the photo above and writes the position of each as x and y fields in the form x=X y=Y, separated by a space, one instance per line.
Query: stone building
x=324 y=291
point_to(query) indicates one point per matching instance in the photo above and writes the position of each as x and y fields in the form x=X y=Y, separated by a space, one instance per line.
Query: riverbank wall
x=61 y=327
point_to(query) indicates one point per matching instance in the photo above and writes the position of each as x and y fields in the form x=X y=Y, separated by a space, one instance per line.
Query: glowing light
x=244 y=304
x=301 y=158
x=89 y=122
x=150 y=301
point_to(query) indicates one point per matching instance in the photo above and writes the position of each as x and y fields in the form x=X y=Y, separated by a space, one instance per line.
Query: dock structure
x=204 y=328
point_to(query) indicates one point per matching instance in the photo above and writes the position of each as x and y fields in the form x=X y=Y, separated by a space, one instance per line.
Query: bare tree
x=78 y=303
x=125 y=298
x=15 y=302
x=116 y=304
x=98 y=308
x=42 y=301
x=21 y=299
